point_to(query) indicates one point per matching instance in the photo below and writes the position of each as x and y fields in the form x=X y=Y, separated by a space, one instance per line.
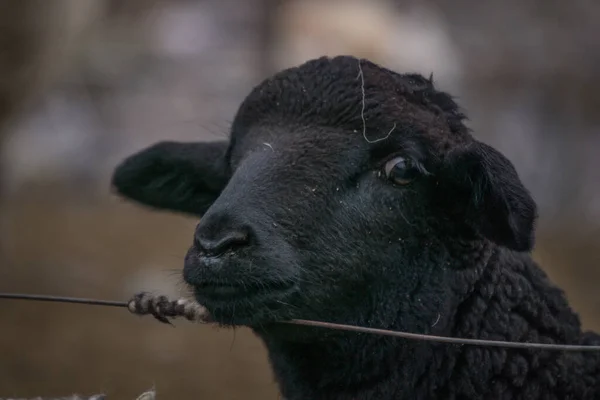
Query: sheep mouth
x=227 y=292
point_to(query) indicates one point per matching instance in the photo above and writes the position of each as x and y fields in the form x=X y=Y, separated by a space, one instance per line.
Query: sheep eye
x=400 y=171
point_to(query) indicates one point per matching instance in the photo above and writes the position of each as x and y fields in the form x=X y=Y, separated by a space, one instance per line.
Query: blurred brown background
x=83 y=83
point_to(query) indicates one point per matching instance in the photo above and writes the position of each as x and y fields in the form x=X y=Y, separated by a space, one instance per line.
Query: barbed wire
x=163 y=308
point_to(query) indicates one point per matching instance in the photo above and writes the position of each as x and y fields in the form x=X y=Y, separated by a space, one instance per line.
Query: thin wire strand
x=62 y=299
x=331 y=325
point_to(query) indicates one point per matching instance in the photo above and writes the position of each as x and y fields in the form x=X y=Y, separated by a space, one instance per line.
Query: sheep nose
x=214 y=242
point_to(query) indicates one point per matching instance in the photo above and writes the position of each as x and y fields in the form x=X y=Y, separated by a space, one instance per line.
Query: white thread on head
x=362 y=111
x=269 y=146
x=437 y=320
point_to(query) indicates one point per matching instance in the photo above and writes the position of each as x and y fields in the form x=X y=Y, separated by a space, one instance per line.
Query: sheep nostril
x=217 y=246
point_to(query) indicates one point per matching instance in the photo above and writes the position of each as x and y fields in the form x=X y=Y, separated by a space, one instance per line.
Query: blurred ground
x=528 y=77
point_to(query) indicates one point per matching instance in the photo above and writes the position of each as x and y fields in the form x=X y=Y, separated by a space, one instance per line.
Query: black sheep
x=353 y=194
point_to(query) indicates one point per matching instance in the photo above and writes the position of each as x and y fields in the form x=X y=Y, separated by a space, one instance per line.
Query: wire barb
x=161 y=308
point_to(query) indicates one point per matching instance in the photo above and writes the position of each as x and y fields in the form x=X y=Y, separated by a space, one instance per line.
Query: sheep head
x=339 y=194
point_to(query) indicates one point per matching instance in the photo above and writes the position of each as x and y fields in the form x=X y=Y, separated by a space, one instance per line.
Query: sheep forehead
x=301 y=148
x=355 y=96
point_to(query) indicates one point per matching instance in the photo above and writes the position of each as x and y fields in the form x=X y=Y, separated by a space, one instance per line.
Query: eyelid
x=382 y=163
x=412 y=162
x=390 y=164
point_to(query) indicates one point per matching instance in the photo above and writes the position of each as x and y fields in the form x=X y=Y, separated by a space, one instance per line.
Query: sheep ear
x=181 y=177
x=488 y=195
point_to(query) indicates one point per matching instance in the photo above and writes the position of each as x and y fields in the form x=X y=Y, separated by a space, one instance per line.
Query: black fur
x=186 y=177
x=308 y=226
